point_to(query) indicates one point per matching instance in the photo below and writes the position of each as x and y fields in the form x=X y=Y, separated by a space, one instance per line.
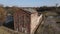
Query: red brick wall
x=22 y=21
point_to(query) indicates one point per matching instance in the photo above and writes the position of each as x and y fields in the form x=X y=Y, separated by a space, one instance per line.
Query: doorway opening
x=9 y=22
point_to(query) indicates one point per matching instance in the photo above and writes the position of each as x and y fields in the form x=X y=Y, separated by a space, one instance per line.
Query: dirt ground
x=49 y=27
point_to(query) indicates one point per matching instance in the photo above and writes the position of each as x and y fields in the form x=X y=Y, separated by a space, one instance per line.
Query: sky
x=29 y=3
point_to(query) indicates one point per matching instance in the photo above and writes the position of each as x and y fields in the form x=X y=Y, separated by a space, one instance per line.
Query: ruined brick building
x=26 y=20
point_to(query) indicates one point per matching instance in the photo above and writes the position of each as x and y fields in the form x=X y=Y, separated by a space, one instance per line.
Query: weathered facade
x=26 y=20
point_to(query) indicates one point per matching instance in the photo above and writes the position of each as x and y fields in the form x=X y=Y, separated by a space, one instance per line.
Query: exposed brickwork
x=22 y=21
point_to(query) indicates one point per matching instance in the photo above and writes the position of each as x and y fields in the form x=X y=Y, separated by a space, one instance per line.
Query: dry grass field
x=2 y=31
x=49 y=27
